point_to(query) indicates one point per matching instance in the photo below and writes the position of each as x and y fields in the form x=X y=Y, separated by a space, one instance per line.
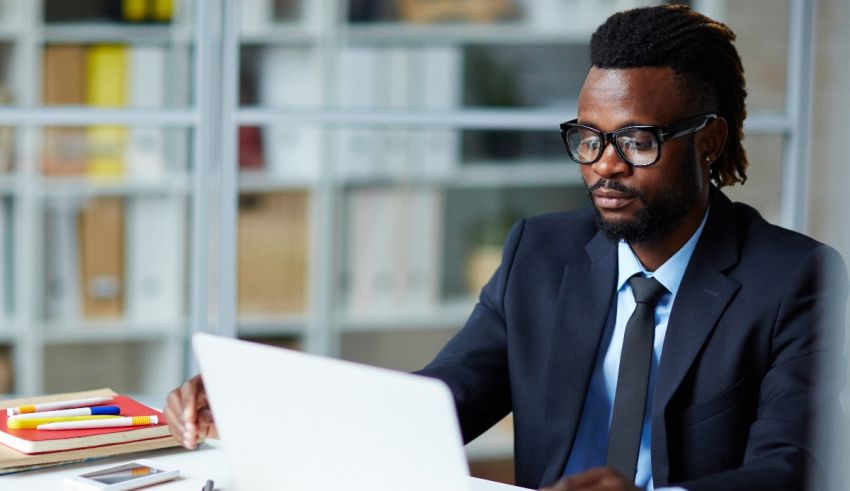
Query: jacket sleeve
x=474 y=363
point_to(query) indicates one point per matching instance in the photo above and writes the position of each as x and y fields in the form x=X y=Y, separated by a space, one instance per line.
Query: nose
x=610 y=164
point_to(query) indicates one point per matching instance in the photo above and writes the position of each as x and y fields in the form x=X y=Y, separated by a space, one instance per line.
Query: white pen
x=101 y=423
x=50 y=406
x=82 y=411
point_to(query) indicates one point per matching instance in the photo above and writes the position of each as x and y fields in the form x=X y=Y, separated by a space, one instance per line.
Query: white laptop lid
x=290 y=420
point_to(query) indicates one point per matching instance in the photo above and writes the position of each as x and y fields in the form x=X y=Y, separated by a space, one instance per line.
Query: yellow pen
x=32 y=423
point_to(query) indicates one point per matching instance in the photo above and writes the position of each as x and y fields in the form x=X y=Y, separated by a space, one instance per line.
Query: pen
x=208 y=486
x=49 y=406
x=33 y=423
x=81 y=411
x=103 y=423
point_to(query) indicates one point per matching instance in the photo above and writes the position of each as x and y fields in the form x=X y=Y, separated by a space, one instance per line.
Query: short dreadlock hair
x=699 y=50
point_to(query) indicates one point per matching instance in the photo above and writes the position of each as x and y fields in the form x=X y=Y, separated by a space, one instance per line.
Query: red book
x=44 y=441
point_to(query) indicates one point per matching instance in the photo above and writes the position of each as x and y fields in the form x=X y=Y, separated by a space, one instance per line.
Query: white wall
x=829 y=217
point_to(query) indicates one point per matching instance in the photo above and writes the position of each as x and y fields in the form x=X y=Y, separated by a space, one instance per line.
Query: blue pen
x=80 y=411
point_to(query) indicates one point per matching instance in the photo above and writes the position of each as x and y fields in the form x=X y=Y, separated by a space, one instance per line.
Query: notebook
x=32 y=441
x=290 y=420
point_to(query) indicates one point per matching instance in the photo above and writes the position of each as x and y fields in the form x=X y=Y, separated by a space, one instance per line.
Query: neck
x=652 y=254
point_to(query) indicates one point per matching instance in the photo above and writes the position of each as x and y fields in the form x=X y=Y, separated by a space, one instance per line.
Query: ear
x=710 y=141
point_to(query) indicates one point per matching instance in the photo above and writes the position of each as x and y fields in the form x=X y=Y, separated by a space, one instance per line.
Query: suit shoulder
x=574 y=227
x=756 y=233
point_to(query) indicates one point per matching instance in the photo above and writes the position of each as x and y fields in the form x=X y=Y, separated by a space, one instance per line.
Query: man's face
x=639 y=204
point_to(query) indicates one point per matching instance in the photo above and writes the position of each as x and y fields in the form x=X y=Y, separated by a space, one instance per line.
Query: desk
x=207 y=462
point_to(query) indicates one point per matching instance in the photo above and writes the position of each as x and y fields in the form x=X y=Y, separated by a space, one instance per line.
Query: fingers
x=598 y=479
x=190 y=393
x=188 y=414
x=558 y=486
x=206 y=425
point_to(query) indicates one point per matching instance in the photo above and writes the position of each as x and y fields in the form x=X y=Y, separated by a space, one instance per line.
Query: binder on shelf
x=478 y=11
x=394 y=244
x=145 y=149
x=106 y=86
x=273 y=257
x=146 y=10
x=134 y=10
x=356 y=149
x=370 y=242
x=251 y=147
x=102 y=257
x=62 y=297
x=398 y=78
x=5 y=270
x=288 y=79
x=161 y=10
x=440 y=72
x=7 y=135
x=156 y=248
x=64 y=74
x=7 y=378
x=395 y=92
x=255 y=16
x=423 y=230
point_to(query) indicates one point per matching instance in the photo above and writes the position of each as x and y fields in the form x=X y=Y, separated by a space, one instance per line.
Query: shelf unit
x=474 y=180
x=52 y=350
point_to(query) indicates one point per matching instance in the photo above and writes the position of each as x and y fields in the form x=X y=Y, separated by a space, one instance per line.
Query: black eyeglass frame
x=662 y=133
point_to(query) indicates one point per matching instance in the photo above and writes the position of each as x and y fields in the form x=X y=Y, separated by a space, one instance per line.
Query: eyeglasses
x=639 y=146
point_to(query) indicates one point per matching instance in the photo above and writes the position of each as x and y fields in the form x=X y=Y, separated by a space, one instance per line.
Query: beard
x=660 y=214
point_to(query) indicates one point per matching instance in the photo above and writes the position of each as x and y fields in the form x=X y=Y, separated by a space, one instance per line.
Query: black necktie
x=633 y=378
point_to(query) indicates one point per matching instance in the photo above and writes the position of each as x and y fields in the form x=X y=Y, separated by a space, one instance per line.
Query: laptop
x=290 y=420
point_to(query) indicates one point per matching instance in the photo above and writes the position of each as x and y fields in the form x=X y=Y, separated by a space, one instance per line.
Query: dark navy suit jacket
x=760 y=308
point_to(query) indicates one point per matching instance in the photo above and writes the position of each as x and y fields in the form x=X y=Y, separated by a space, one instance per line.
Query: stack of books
x=116 y=425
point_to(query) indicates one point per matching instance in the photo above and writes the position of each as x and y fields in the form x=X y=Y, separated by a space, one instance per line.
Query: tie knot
x=646 y=290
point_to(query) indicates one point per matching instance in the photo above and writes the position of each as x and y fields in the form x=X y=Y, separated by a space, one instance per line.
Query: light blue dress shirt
x=591 y=443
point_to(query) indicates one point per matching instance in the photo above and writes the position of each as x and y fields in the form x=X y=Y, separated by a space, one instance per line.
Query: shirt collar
x=668 y=274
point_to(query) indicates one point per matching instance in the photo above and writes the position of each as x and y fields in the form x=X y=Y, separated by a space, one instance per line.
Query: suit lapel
x=584 y=299
x=702 y=297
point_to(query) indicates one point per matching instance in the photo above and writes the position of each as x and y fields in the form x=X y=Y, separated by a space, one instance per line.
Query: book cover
x=41 y=441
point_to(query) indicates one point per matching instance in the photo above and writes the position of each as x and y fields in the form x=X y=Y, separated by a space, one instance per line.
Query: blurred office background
x=330 y=175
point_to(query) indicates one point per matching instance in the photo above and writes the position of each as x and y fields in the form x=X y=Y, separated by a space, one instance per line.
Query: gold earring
x=709 y=158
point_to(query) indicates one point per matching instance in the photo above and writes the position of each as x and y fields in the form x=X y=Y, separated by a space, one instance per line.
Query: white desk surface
x=206 y=462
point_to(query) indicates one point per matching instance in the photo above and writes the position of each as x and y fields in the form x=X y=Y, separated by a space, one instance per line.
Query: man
x=666 y=336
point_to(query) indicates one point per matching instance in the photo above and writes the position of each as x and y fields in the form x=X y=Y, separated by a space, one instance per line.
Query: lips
x=611 y=200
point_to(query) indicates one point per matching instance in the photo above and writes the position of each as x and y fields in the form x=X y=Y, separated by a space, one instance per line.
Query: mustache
x=614 y=186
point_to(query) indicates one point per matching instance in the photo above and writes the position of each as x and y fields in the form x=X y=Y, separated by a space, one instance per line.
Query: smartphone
x=131 y=475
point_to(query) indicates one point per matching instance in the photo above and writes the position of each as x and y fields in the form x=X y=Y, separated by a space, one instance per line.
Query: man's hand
x=188 y=413
x=598 y=479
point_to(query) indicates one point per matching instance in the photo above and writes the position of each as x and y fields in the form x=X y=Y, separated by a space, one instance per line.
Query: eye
x=642 y=142
x=589 y=144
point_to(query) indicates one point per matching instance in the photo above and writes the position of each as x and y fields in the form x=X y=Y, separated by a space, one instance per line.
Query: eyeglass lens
x=639 y=147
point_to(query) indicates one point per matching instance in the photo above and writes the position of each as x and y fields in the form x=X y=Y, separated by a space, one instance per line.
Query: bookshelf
x=317 y=174
x=95 y=235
